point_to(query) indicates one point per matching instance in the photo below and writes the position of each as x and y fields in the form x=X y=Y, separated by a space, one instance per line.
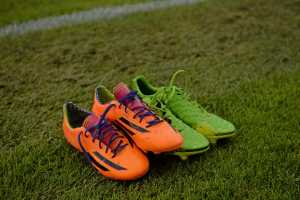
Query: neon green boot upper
x=193 y=141
x=173 y=98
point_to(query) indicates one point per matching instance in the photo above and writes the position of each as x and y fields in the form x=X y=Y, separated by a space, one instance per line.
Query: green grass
x=243 y=63
x=15 y=11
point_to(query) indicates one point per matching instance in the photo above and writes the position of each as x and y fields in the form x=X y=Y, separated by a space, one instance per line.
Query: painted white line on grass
x=89 y=15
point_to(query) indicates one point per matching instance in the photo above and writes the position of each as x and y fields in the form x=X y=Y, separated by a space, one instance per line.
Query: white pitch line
x=89 y=15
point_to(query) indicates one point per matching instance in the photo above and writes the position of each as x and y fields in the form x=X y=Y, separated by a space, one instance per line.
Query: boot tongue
x=121 y=91
x=91 y=121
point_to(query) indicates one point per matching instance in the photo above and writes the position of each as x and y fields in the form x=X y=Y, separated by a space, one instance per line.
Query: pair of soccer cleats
x=121 y=125
x=198 y=127
x=115 y=136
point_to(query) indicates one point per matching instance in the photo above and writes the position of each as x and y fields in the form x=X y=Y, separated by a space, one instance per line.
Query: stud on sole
x=184 y=155
x=214 y=139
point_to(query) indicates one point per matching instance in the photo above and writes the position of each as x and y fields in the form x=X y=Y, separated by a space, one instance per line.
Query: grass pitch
x=16 y=11
x=242 y=59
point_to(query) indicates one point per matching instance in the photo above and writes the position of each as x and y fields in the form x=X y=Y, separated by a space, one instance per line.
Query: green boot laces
x=164 y=94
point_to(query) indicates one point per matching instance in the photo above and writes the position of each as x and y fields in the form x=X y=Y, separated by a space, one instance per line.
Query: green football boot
x=191 y=113
x=193 y=142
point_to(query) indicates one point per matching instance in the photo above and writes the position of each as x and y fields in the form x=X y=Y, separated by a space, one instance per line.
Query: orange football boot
x=147 y=130
x=105 y=148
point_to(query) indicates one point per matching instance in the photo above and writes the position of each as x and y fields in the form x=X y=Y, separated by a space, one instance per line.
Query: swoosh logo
x=101 y=157
x=132 y=125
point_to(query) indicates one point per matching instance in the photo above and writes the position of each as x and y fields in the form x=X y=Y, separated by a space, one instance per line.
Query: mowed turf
x=16 y=11
x=242 y=61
